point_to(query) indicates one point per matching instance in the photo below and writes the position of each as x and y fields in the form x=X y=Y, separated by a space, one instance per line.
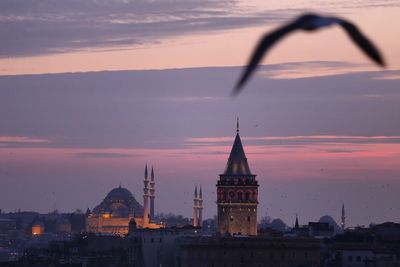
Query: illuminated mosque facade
x=120 y=208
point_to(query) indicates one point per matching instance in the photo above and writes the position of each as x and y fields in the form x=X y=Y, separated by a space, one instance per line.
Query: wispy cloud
x=308 y=69
x=46 y=27
x=89 y=155
x=387 y=76
x=21 y=140
x=189 y=99
x=301 y=140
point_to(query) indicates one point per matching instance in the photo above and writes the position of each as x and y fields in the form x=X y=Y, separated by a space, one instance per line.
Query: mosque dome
x=119 y=193
x=119 y=202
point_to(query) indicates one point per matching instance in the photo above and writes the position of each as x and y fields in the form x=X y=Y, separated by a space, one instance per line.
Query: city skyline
x=81 y=113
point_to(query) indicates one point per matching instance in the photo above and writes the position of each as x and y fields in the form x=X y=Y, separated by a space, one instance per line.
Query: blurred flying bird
x=307 y=22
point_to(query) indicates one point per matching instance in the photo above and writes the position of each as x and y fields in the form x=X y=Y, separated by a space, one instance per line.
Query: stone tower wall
x=237 y=219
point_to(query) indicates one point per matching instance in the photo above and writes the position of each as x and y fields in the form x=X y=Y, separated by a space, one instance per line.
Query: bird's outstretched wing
x=266 y=42
x=308 y=22
x=366 y=45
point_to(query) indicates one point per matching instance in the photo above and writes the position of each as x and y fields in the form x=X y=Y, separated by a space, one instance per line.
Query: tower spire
x=145 y=172
x=237 y=161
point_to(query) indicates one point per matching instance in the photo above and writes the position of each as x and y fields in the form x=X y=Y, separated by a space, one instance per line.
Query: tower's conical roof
x=237 y=162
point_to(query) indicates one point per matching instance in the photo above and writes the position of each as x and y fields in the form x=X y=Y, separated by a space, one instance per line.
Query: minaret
x=296 y=224
x=195 y=206
x=200 y=207
x=152 y=194
x=145 y=198
x=237 y=190
x=343 y=224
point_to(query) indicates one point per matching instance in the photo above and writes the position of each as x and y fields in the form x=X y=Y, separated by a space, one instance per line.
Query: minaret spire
x=152 y=194
x=237 y=124
x=343 y=223
x=200 y=207
x=145 y=198
x=195 y=207
x=296 y=225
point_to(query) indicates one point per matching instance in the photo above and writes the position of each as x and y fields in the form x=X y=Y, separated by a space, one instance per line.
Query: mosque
x=120 y=208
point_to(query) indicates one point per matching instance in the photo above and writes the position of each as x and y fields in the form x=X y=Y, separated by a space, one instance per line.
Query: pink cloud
x=22 y=139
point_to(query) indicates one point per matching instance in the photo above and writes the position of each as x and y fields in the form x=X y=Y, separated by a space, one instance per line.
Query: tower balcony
x=238 y=180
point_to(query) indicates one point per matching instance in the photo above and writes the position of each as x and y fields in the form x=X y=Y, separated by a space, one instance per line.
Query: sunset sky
x=91 y=91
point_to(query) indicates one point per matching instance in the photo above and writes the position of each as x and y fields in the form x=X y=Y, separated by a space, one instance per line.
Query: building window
x=358 y=258
x=225 y=196
x=160 y=240
x=247 y=196
x=240 y=196
x=350 y=258
x=231 y=218
x=152 y=240
x=248 y=218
